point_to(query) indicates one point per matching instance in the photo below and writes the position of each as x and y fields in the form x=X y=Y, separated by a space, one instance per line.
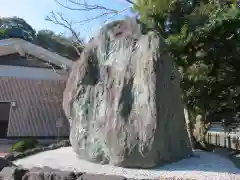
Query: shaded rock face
x=123 y=100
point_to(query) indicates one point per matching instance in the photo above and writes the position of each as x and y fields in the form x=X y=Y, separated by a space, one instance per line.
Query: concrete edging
x=13 y=156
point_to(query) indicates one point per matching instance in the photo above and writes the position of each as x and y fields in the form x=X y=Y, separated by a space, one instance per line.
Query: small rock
x=54 y=146
x=12 y=156
x=5 y=163
x=12 y=173
x=47 y=173
x=65 y=143
x=33 y=151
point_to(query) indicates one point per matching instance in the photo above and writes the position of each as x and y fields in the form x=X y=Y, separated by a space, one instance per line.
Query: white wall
x=31 y=73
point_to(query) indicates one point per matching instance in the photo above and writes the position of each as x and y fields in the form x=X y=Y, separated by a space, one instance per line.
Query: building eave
x=16 y=45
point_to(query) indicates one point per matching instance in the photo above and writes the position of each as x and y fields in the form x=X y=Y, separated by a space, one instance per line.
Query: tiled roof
x=38 y=106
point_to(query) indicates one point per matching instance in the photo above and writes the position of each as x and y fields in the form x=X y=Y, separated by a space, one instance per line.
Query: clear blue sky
x=35 y=11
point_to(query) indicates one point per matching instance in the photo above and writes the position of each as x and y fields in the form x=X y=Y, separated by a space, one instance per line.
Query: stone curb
x=18 y=155
x=47 y=173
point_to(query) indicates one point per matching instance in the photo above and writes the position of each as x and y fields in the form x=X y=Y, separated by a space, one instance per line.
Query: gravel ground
x=204 y=165
x=236 y=159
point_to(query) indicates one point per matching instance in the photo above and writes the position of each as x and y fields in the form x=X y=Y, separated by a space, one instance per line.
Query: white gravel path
x=205 y=165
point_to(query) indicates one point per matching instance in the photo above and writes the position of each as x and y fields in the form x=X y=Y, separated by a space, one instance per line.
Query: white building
x=32 y=81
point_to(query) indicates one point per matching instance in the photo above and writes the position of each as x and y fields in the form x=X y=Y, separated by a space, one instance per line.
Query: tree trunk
x=190 y=128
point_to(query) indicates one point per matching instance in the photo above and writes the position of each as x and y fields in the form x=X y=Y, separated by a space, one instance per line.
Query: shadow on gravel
x=205 y=161
x=236 y=160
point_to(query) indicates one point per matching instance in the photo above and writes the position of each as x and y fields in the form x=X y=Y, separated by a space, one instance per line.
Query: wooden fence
x=228 y=137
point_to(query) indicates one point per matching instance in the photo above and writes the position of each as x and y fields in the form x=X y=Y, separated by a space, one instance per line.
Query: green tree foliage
x=205 y=44
x=3 y=33
x=14 y=27
x=56 y=43
x=169 y=16
x=209 y=60
x=18 y=27
x=21 y=146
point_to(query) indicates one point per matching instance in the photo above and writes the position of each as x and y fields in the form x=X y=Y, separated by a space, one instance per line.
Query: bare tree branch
x=131 y=2
x=89 y=7
x=58 y=18
x=105 y=14
x=84 y=6
x=74 y=5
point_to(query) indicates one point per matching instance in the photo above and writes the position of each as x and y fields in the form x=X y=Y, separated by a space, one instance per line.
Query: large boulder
x=123 y=100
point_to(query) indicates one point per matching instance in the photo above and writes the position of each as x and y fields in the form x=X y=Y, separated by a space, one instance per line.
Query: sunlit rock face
x=123 y=100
